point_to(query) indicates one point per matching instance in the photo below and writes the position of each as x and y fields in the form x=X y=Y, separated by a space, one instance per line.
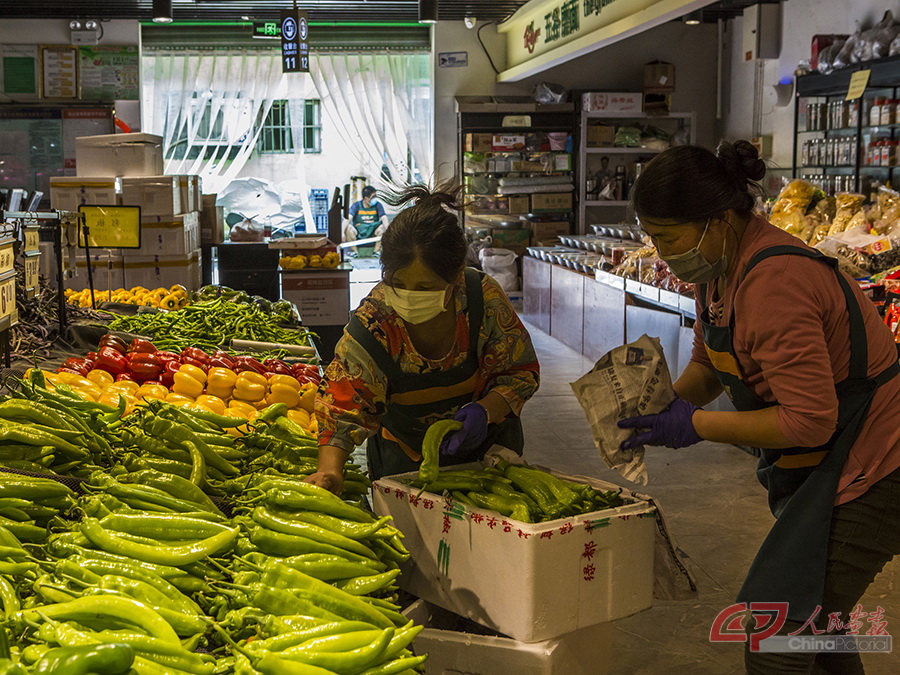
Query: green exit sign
x=267 y=29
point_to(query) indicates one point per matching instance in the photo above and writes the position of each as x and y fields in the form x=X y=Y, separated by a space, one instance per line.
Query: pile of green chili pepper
x=209 y=325
x=520 y=492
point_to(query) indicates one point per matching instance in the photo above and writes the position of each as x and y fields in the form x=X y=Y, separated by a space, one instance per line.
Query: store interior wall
x=120 y=32
x=801 y=20
x=619 y=67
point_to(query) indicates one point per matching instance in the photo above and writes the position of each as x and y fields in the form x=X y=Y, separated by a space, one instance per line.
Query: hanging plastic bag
x=547 y=92
x=500 y=263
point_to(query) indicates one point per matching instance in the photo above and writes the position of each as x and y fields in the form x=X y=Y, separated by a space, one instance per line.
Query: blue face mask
x=692 y=266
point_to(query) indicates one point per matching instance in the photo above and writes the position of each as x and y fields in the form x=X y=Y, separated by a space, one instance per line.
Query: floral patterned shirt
x=353 y=393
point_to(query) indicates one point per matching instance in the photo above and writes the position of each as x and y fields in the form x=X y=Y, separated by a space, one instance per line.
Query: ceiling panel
x=377 y=11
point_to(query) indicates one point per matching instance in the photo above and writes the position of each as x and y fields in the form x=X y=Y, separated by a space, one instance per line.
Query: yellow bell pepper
x=308 y=397
x=112 y=398
x=154 y=391
x=186 y=384
x=245 y=408
x=175 y=399
x=196 y=406
x=101 y=378
x=126 y=386
x=220 y=382
x=214 y=403
x=283 y=393
x=301 y=417
x=170 y=302
x=285 y=379
x=251 y=387
x=195 y=372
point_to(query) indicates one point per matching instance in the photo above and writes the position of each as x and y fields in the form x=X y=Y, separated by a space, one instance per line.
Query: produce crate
x=452 y=649
x=531 y=582
x=164 y=271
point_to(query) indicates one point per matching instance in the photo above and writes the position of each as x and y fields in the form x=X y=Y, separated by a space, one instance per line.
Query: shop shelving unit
x=817 y=88
x=485 y=115
x=608 y=212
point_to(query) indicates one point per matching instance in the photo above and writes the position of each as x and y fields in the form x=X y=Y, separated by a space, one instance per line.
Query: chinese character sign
x=294 y=42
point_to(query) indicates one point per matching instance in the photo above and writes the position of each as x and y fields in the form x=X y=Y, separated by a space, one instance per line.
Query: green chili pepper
x=176 y=555
x=293 y=638
x=280 y=544
x=279 y=602
x=279 y=495
x=112 y=659
x=330 y=567
x=163 y=527
x=178 y=487
x=431 y=445
x=351 y=529
x=31 y=488
x=400 y=666
x=9 y=599
x=368 y=585
x=273 y=521
x=337 y=658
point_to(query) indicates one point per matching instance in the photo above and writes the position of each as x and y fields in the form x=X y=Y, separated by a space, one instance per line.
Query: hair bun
x=741 y=161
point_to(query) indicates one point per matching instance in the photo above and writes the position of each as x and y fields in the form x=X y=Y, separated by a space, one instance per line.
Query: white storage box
x=613 y=102
x=451 y=652
x=167 y=236
x=212 y=221
x=156 y=195
x=164 y=271
x=67 y=193
x=531 y=582
x=187 y=186
x=119 y=155
x=107 y=269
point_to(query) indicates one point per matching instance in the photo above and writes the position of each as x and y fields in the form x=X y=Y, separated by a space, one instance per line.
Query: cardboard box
x=197 y=190
x=530 y=581
x=452 y=651
x=479 y=143
x=513 y=240
x=119 y=155
x=67 y=193
x=550 y=202
x=108 y=272
x=542 y=231
x=167 y=236
x=212 y=221
x=659 y=77
x=156 y=195
x=157 y=271
x=508 y=143
x=189 y=186
x=613 y=102
x=519 y=204
x=600 y=135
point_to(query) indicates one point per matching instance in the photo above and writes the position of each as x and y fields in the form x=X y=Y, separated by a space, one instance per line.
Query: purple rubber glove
x=673 y=428
x=474 y=430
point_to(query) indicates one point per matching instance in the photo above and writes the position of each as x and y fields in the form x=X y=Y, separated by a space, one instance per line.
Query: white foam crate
x=530 y=581
x=451 y=652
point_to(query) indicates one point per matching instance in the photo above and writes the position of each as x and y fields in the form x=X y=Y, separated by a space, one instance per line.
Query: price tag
x=32 y=239
x=8 y=313
x=880 y=246
x=858 y=83
x=32 y=272
x=7 y=256
x=111 y=226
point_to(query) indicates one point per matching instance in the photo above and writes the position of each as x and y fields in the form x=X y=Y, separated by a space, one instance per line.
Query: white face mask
x=414 y=306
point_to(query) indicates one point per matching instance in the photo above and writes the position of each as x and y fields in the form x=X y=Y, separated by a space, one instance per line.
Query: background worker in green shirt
x=366 y=218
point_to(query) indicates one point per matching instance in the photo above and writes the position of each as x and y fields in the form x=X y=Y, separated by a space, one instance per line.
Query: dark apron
x=801 y=482
x=366 y=223
x=416 y=400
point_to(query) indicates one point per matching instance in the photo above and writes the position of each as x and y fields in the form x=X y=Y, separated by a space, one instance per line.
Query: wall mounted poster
x=109 y=73
x=59 y=68
x=19 y=74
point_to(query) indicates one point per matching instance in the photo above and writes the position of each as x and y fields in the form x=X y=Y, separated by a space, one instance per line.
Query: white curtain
x=209 y=108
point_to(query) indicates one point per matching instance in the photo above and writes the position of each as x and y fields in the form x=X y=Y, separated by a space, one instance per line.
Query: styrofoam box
x=584 y=652
x=167 y=236
x=212 y=221
x=164 y=271
x=156 y=195
x=67 y=193
x=613 y=102
x=135 y=154
x=108 y=272
x=185 y=186
x=530 y=581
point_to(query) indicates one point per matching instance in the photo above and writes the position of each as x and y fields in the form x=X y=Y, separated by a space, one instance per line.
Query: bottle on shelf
x=620 y=188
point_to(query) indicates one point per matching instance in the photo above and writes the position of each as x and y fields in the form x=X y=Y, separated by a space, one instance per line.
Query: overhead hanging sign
x=268 y=30
x=545 y=33
x=294 y=42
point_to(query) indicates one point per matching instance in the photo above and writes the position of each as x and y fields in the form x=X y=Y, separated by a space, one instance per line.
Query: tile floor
x=716 y=510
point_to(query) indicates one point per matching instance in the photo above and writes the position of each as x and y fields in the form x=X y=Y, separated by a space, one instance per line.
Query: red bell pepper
x=196 y=354
x=167 y=377
x=306 y=373
x=165 y=357
x=63 y=369
x=111 y=360
x=113 y=341
x=277 y=366
x=91 y=356
x=221 y=362
x=204 y=366
x=143 y=346
x=144 y=366
x=125 y=377
x=80 y=366
x=248 y=363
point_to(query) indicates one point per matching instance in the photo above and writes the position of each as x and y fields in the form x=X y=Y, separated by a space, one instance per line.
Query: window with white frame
x=277 y=133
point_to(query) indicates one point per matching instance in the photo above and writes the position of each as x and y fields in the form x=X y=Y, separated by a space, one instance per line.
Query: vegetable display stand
x=451 y=650
x=532 y=582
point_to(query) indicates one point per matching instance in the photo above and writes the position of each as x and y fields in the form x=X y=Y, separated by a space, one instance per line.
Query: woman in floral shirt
x=433 y=341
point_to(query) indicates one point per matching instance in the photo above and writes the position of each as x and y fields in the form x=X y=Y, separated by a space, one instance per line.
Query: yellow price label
x=8 y=302
x=110 y=226
x=858 y=83
x=32 y=239
x=32 y=271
